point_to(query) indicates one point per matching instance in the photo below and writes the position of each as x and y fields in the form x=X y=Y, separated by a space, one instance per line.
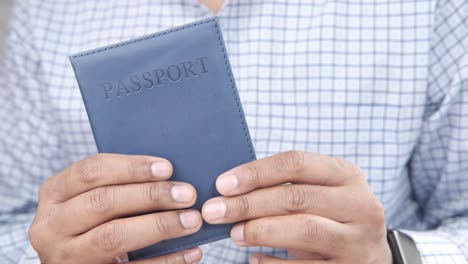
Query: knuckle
x=243 y=205
x=375 y=219
x=356 y=170
x=340 y=163
x=62 y=255
x=42 y=240
x=132 y=169
x=102 y=199
x=110 y=237
x=53 y=188
x=253 y=174
x=43 y=192
x=89 y=169
x=161 y=225
x=378 y=211
x=40 y=229
x=292 y=160
x=294 y=199
x=312 y=230
x=338 y=238
x=35 y=235
x=353 y=171
x=257 y=232
x=154 y=192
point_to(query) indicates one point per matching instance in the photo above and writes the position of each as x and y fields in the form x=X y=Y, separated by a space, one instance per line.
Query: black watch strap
x=404 y=250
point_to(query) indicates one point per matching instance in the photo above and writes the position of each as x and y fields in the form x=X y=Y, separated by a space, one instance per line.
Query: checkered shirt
x=380 y=83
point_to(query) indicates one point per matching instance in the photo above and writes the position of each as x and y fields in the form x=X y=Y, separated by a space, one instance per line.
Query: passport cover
x=172 y=95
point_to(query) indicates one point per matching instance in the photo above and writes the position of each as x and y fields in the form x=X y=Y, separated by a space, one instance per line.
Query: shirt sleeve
x=439 y=166
x=28 y=141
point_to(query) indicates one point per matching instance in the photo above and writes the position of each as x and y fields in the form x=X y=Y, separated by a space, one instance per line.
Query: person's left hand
x=327 y=214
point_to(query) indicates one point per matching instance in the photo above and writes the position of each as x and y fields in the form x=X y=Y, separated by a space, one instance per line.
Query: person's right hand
x=86 y=213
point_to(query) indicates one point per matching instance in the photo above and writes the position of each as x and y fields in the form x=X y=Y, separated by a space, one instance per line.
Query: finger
x=123 y=235
x=302 y=254
x=190 y=256
x=265 y=259
x=102 y=204
x=282 y=200
x=287 y=167
x=304 y=232
x=102 y=170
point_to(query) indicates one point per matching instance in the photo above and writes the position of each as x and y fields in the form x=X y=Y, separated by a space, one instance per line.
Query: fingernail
x=237 y=232
x=189 y=219
x=182 y=193
x=192 y=255
x=214 y=210
x=227 y=183
x=253 y=259
x=161 y=170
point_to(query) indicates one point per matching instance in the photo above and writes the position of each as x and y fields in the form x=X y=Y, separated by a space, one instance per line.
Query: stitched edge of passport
x=234 y=91
x=235 y=94
x=125 y=43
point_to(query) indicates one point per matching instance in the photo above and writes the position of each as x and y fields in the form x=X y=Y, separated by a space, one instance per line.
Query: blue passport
x=172 y=95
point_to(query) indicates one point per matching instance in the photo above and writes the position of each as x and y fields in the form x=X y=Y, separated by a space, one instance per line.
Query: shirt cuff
x=436 y=248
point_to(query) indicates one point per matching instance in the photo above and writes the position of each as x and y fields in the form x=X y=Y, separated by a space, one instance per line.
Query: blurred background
x=4 y=14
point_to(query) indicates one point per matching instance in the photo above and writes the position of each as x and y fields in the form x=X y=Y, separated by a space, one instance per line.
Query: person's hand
x=91 y=211
x=327 y=214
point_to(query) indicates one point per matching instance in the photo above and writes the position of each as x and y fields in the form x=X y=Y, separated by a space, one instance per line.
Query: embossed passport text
x=172 y=95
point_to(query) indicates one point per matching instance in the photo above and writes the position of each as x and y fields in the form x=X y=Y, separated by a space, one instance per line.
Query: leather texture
x=172 y=95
